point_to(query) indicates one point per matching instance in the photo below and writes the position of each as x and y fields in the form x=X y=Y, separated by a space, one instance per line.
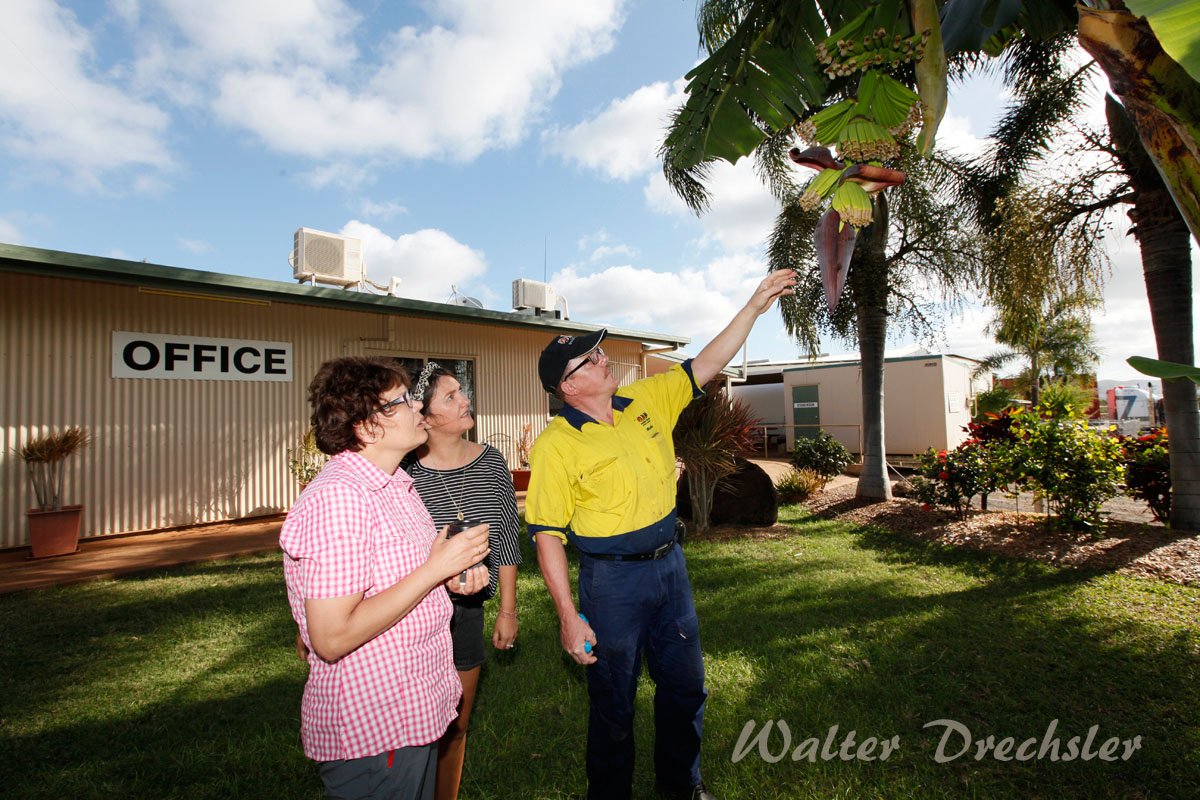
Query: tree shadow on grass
x=1001 y=646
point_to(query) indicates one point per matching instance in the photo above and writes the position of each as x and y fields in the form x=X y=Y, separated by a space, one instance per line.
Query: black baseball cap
x=553 y=361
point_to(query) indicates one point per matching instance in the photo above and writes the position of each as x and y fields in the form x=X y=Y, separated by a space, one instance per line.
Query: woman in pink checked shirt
x=364 y=568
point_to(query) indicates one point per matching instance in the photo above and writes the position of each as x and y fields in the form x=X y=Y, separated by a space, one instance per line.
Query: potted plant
x=53 y=527
x=306 y=460
x=521 y=476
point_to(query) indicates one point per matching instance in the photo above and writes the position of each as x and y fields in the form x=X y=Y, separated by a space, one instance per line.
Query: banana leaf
x=1176 y=23
x=1167 y=370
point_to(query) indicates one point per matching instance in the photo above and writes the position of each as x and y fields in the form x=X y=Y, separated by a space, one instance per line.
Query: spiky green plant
x=710 y=432
x=46 y=458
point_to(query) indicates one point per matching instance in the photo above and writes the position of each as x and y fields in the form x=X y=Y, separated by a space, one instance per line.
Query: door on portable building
x=806 y=411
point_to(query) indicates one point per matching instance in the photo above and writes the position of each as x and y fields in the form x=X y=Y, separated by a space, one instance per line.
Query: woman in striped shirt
x=458 y=479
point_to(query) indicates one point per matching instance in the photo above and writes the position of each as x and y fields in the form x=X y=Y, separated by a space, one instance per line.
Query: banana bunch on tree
x=864 y=129
x=881 y=34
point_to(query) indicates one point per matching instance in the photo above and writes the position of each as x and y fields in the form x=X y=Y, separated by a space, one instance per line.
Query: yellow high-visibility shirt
x=611 y=488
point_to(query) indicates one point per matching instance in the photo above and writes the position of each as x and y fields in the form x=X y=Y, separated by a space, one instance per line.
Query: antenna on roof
x=457 y=299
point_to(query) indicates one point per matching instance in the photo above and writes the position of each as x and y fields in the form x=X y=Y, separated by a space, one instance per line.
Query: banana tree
x=772 y=61
x=774 y=64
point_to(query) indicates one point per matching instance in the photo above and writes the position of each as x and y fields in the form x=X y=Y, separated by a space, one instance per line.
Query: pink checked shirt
x=358 y=529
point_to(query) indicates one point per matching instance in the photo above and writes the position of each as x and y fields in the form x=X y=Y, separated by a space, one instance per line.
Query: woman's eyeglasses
x=592 y=358
x=390 y=408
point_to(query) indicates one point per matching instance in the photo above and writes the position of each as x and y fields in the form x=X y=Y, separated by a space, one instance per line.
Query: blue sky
x=466 y=142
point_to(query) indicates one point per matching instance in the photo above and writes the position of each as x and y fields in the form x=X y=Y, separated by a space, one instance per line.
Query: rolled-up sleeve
x=330 y=543
x=550 y=500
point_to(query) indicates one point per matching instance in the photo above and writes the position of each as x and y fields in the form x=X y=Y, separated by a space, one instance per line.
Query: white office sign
x=804 y=405
x=199 y=358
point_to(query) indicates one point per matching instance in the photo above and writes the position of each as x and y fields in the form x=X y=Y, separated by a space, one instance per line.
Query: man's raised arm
x=721 y=350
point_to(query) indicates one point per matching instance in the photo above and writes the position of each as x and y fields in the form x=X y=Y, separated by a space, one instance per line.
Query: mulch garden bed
x=1144 y=551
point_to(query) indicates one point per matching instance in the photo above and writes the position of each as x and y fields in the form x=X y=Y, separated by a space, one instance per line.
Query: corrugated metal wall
x=178 y=452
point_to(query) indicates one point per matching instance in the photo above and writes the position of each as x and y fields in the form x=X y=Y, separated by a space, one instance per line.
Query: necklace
x=461 y=488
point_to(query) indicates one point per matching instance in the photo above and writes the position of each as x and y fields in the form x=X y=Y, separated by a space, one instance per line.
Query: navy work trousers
x=638 y=607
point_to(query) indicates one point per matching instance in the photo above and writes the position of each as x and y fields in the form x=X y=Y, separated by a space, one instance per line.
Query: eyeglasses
x=390 y=408
x=592 y=358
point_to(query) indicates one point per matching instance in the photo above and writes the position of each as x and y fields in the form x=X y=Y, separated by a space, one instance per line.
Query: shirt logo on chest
x=644 y=419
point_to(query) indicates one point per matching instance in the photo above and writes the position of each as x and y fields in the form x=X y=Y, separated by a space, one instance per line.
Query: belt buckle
x=663 y=549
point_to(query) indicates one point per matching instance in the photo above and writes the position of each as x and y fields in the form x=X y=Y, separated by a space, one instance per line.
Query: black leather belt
x=653 y=555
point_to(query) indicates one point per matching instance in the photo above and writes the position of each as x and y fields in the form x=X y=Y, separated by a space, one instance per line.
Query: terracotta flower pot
x=54 y=533
x=520 y=479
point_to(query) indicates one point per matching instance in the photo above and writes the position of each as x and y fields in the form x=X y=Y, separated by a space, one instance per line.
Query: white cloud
x=622 y=141
x=697 y=303
x=599 y=237
x=266 y=32
x=195 y=245
x=606 y=252
x=9 y=233
x=57 y=108
x=427 y=261
x=347 y=175
x=954 y=136
x=470 y=83
x=742 y=211
x=385 y=210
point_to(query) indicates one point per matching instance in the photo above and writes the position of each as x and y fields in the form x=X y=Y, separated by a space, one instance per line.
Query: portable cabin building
x=927 y=400
x=193 y=385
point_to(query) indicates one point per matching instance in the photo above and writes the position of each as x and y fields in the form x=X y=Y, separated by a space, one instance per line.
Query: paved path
x=111 y=556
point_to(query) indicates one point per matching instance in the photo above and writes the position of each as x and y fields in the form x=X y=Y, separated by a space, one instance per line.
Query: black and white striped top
x=483 y=489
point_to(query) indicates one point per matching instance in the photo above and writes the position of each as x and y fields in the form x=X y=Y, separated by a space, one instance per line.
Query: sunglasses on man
x=592 y=358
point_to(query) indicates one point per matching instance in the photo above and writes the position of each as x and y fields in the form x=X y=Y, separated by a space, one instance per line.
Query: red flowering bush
x=1148 y=471
x=978 y=466
x=952 y=478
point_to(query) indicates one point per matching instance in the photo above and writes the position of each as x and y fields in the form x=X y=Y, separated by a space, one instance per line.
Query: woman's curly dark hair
x=345 y=392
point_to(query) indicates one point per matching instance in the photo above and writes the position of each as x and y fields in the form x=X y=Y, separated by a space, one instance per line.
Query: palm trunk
x=1166 y=264
x=1162 y=236
x=871 y=305
x=1035 y=378
x=1160 y=96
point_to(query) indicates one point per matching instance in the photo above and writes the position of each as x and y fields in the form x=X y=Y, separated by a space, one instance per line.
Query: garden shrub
x=993 y=401
x=799 y=485
x=1063 y=399
x=1148 y=471
x=952 y=478
x=822 y=454
x=1074 y=468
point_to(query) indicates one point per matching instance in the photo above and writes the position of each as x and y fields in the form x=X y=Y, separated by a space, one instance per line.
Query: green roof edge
x=55 y=263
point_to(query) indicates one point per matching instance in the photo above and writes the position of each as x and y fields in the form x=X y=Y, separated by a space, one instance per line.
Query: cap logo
x=566 y=339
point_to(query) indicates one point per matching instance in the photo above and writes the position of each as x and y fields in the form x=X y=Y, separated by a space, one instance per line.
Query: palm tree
x=1058 y=345
x=920 y=247
x=1163 y=240
x=763 y=74
x=877 y=286
x=766 y=67
x=1047 y=94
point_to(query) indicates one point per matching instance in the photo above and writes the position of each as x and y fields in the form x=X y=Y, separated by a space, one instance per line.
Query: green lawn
x=184 y=684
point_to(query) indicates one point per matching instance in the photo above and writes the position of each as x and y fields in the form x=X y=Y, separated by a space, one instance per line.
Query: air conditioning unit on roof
x=322 y=257
x=533 y=294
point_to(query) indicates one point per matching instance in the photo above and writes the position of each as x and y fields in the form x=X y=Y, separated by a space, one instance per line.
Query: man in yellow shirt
x=603 y=478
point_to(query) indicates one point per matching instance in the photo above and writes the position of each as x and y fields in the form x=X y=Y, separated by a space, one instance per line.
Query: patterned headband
x=423 y=381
